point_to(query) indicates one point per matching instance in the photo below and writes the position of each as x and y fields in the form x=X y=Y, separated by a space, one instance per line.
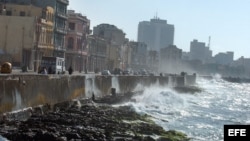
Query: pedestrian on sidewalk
x=70 y=70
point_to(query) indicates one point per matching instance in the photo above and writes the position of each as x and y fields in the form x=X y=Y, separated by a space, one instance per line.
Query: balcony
x=61 y=30
x=64 y=1
x=62 y=15
x=77 y=52
x=59 y=48
x=44 y=21
x=74 y=32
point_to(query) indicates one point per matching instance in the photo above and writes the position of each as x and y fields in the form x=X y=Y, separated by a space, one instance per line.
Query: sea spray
x=201 y=116
x=17 y=99
x=115 y=84
x=160 y=102
x=90 y=86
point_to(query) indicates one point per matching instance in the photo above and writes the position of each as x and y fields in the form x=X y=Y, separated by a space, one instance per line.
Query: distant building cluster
x=33 y=29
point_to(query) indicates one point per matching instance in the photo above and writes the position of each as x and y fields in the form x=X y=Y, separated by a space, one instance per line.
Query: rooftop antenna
x=156 y=16
x=209 y=40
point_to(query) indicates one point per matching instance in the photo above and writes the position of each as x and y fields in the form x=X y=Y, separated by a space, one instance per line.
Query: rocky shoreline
x=236 y=79
x=83 y=120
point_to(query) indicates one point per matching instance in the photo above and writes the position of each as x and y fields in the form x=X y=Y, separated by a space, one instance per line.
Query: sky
x=227 y=22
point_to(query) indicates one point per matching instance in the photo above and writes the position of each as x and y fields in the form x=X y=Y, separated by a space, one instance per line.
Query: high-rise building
x=156 y=33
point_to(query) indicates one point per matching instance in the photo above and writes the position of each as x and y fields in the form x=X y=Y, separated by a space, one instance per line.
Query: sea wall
x=22 y=91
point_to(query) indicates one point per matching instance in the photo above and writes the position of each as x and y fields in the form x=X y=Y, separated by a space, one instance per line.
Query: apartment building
x=97 y=49
x=26 y=34
x=115 y=39
x=170 y=59
x=199 y=51
x=138 y=55
x=224 y=58
x=59 y=19
x=76 y=41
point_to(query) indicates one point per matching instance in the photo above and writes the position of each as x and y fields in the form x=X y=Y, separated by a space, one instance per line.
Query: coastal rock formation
x=85 y=120
x=187 y=89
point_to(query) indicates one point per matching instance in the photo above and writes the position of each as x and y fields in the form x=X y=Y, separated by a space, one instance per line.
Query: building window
x=8 y=13
x=70 y=43
x=22 y=13
x=49 y=17
x=44 y=14
x=72 y=26
x=79 y=43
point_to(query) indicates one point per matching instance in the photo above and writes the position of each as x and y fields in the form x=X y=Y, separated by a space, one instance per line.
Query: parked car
x=127 y=72
x=117 y=71
x=143 y=72
x=106 y=72
x=151 y=73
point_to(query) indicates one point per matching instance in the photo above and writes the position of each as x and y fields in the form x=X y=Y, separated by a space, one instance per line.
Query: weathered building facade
x=138 y=55
x=115 y=39
x=76 y=41
x=97 y=49
x=26 y=34
x=153 y=60
x=59 y=18
x=199 y=51
x=170 y=59
x=110 y=33
x=224 y=58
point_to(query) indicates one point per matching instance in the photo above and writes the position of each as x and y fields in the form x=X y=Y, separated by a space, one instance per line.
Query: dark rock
x=148 y=138
x=188 y=89
x=85 y=121
x=117 y=98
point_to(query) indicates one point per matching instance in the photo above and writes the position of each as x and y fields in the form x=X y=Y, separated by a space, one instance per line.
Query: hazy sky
x=226 y=21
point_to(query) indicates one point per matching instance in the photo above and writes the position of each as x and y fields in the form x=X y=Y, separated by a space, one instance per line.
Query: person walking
x=44 y=71
x=70 y=70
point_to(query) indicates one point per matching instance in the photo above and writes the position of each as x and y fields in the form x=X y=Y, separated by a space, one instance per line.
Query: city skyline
x=226 y=21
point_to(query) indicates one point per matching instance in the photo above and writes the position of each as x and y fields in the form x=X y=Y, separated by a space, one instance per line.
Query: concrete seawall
x=22 y=91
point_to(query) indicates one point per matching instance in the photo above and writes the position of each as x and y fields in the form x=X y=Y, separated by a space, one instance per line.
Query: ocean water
x=201 y=116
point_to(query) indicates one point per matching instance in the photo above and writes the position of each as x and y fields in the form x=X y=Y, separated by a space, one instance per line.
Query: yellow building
x=17 y=38
x=26 y=34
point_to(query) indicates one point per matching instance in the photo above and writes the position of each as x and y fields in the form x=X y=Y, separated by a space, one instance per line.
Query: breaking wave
x=201 y=116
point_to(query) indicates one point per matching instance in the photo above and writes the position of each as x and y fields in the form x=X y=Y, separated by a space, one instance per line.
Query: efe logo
x=237 y=132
